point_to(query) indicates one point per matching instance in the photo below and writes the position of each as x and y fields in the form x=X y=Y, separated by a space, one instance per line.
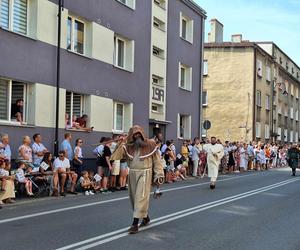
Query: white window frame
x=258 y=98
x=291 y=136
x=128 y=3
x=285 y=135
x=115 y=118
x=267 y=131
x=188 y=70
x=117 y=38
x=82 y=104
x=291 y=112
x=161 y=52
x=268 y=99
x=268 y=74
x=189 y=28
x=206 y=97
x=259 y=68
x=160 y=24
x=186 y=130
x=25 y=98
x=297 y=115
x=205 y=67
x=160 y=108
x=73 y=19
x=160 y=3
x=258 y=130
x=11 y=17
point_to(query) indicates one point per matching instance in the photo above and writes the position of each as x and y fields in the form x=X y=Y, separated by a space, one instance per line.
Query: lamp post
x=60 y=8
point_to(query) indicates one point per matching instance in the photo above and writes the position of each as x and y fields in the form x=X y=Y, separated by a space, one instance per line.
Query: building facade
x=116 y=66
x=251 y=90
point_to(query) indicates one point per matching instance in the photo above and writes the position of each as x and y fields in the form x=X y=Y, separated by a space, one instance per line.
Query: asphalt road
x=255 y=210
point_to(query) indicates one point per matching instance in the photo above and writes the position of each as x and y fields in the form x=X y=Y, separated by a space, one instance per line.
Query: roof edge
x=195 y=7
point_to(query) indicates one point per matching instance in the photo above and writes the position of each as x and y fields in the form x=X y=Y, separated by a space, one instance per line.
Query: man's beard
x=213 y=143
x=138 y=142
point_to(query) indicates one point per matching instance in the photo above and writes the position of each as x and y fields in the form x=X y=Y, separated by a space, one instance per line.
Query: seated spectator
x=46 y=168
x=95 y=179
x=170 y=172
x=68 y=123
x=38 y=150
x=20 y=177
x=3 y=174
x=61 y=172
x=180 y=167
x=82 y=123
x=85 y=183
x=17 y=110
x=8 y=194
x=5 y=152
x=25 y=153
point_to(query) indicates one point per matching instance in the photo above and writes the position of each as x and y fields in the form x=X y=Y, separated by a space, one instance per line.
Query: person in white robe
x=243 y=157
x=215 y=152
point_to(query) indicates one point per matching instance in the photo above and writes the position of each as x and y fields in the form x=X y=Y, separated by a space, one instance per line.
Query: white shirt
x=79 y=152
x=37 y=148
x=3 y=172
x=99 y=150
x=61 y=164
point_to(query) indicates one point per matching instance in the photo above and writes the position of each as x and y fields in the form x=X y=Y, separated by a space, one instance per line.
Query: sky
x=258 y=20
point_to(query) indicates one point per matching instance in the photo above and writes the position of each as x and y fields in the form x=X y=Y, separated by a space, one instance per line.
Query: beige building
x=251 y=90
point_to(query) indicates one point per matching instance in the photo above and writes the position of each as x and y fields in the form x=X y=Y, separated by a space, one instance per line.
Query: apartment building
x=123 y=62
x=251 y=90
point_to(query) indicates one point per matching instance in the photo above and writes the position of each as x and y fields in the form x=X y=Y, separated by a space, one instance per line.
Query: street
x=254 y=210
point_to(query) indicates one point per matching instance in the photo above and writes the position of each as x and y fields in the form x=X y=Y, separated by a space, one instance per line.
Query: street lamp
x=60 y=8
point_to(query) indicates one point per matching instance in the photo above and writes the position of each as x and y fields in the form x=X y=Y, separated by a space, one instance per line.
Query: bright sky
x=259 y=20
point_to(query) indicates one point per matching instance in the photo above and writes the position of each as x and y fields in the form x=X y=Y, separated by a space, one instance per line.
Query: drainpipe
x=56 y=142
x=201 y=79
x=254 y=97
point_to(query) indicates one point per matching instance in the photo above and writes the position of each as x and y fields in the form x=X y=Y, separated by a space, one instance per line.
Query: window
x=157 y=80
x=186 y=28
x=267 y=132
x=292 y=113
x=74 y=104
x=291 y=136
x=285 y=135
x=287 y=66
x=10 y=93
x=259 y=68
x=204 y=98
x=296 y=137
x=258 y=98
x=286 y=110
x=267 y=102
x=160 y=3
x=157 y=108
x=205 y=68
x=159 y=24
x=158 y=52
x=279 y=133
x=185 y=77
x=129 y=3
x=13 y=15
x=258 y=130
x=75 y=35
x=297 y=115
x=184 y=126
x=119 y=117
x=268 y=74
x=124 y=53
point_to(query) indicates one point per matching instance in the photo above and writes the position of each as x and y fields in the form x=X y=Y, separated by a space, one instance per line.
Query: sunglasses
x=61 y=156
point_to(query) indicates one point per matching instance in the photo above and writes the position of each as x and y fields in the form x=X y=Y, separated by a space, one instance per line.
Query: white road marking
x=106 y=201
x=108 y=237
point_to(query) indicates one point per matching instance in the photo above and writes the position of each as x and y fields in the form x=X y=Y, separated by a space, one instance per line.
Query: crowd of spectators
x=37 y=172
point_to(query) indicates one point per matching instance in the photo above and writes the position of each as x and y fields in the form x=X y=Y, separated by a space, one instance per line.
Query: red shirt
x=81 y=122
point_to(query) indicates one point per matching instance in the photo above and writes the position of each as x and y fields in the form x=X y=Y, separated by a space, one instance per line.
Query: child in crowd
x=85 y=184
x=95 y=180
x=170 y=169
x=20 y=177
x=180 y=167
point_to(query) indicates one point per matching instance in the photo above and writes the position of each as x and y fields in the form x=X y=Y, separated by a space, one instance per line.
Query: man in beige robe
x=215 y=152
x=145 y=168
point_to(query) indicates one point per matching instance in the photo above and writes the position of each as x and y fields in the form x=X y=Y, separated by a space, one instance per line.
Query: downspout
x=254 y=98
x=201 y=79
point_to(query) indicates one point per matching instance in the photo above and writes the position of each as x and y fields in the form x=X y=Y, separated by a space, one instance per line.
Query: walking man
x=293 y=158
x=145 y=168
x=215 y=152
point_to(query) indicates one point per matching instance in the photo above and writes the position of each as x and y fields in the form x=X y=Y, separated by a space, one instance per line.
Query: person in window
x=68 y=123
x=38 y=150
x=17 y=110
x=82 y=123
